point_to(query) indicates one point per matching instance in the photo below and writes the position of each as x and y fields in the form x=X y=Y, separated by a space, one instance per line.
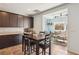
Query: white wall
x=37 y=23
x=73 y=41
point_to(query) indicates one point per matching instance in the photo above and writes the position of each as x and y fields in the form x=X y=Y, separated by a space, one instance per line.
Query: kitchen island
x=8 y=39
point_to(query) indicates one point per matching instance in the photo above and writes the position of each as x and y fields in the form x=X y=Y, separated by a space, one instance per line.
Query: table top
x=35 y=36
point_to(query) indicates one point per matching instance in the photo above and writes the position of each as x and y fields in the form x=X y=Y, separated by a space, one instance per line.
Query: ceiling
x=27 y=8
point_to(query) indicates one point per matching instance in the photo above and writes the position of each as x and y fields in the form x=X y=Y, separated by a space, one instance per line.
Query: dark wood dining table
x=37 y=38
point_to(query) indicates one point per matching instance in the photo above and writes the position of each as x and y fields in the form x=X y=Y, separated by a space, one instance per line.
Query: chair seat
x=44 y=46
x=32 y=42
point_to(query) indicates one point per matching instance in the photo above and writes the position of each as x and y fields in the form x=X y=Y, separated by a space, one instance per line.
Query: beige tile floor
x=17 y=50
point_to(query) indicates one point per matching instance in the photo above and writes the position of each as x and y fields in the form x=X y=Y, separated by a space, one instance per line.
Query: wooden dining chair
x=45 y=44
x=42 y=32
x=27 y=45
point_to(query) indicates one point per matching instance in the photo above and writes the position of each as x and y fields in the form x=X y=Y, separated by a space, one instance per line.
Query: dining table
x=37 y=38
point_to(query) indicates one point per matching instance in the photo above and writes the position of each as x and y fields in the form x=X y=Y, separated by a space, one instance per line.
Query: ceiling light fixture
x=29 y=10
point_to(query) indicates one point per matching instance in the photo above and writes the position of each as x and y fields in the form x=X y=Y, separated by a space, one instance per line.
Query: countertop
x=10 y=33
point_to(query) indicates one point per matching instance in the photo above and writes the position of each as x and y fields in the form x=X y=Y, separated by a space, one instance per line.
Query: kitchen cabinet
x=10 y=40
x=8 y=19
x=28 y=22
x=20 y=21
x=31 y=22
x=4 y=19
x=13 y=20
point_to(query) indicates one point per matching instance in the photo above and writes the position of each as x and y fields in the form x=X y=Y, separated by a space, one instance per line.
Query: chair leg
x=44 y=51
x=23 y=45
x=31 y=48
x=34 y=47
x=27 y=48
x=24 y=50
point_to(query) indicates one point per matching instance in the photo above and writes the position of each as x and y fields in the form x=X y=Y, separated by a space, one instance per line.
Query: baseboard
x=73 y=52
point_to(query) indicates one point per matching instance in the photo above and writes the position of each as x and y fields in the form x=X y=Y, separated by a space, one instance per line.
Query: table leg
x=24 y=47
x=50 y=48
x=29 y=48
x=37 y=48
x=23 y=44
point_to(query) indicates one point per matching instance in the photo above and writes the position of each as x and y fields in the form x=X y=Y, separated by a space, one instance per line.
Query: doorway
x=57 y=22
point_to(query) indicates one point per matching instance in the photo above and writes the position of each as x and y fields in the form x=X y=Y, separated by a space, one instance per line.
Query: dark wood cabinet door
x=0 y=19
x=20 y=21
x=27 y=22
x=13 y=20
x=10 y=40
x=4 y=19
x=31 y=22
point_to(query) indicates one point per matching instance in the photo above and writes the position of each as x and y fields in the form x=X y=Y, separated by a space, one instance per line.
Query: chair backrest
x=24 y=37
x=47 y=36
x=41 y=32
x=47 y=39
